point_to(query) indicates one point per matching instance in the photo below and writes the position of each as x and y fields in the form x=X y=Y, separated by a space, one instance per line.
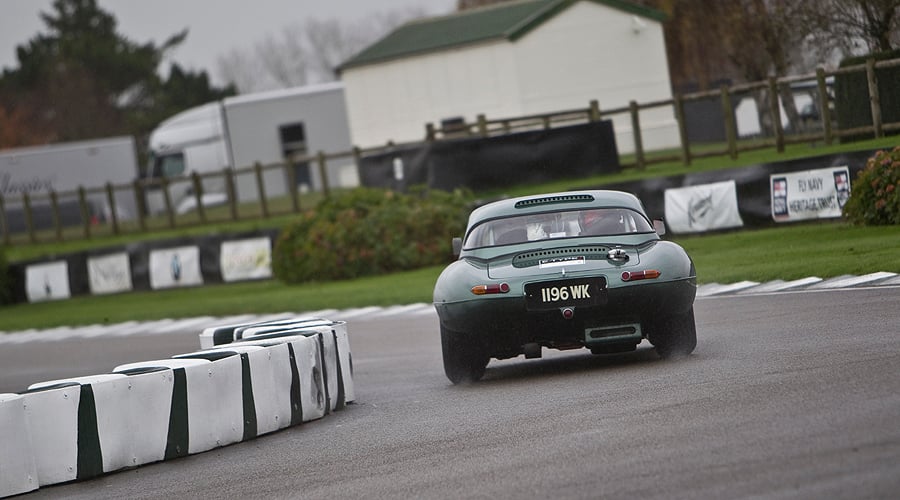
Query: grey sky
x=216 y=26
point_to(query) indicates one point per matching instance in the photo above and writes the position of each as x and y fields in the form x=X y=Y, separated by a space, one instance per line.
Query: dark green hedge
x=369 y=231
x=851 y=95
x=875 y=194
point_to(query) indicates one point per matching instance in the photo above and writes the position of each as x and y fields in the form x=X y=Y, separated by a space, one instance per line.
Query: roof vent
x=552 y=200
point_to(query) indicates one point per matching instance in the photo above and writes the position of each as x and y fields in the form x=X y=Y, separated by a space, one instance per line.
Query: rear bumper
x=503 y=322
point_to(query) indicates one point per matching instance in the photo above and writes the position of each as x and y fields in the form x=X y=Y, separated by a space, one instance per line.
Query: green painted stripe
x=296 y=400
x=177 y=439
x=341 y=396
x=250 y=422
x=90 y=457
x=324 y=372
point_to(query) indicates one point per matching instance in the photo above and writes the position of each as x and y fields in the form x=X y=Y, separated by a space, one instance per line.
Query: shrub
x=875 y=196
x=368 y=231
x=6 y=280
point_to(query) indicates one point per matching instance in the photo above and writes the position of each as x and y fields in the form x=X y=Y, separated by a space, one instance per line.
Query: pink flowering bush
x=369 y=231
x=875 y=194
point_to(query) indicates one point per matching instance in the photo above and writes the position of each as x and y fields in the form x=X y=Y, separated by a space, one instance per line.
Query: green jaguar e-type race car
x=563 y=271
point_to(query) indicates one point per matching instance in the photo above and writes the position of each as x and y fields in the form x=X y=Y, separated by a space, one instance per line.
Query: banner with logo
x=705 y=207
x=810 y=194
x=47 y=281
x=246 y=259
x=109 y=273
x=175 y=267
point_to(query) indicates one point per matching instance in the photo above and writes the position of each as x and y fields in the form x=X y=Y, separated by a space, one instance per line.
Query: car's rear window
x=568 y=224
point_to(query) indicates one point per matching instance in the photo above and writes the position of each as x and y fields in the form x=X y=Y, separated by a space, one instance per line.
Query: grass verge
x=825 y=250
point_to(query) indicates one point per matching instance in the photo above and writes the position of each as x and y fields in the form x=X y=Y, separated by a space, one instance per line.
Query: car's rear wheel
x=464 y=360
x=675 y=335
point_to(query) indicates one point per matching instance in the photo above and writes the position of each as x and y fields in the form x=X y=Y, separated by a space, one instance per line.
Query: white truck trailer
x=63 y=168
x=237 y=132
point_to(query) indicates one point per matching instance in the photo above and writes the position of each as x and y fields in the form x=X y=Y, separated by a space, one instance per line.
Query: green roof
x=508 y=20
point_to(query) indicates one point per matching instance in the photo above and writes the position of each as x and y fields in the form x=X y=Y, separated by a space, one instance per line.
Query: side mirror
x=659 y=226
x=457 y=246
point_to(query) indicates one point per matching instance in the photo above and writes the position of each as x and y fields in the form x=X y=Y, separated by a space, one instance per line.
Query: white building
x=513 y=59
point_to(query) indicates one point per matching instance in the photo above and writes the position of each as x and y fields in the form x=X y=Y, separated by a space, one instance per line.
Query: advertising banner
x=247 y=259
x=705 y=207
x=109 y=273
x=47 y=281
x=810 y=194
x=175 y=267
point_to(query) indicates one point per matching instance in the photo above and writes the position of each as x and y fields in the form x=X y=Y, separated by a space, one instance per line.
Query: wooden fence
x=91 y=221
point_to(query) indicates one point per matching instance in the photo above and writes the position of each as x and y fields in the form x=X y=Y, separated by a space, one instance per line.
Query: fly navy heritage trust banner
x=811 y=194
x=175 y=267
x=47 y=281
x=109 y=273
x=706 y=207
x=246 y=259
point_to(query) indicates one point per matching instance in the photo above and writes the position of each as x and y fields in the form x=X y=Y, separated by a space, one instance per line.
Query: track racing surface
x=791 y=394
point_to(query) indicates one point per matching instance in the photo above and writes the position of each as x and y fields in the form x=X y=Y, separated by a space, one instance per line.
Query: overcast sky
x=216 y=26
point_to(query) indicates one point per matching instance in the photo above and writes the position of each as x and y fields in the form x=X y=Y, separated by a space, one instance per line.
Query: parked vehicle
x=63 y=168
x=563 y=271
x=269 y=128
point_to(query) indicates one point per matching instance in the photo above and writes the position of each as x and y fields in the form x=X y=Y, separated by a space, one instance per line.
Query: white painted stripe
x=780 y=285
x=847 y=281
x=717 y=289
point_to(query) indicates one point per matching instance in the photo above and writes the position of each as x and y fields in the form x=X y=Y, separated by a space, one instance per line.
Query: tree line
x=82 y=79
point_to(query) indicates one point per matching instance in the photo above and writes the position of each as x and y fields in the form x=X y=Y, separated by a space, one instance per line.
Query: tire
x=464 y=361
x=676 y=336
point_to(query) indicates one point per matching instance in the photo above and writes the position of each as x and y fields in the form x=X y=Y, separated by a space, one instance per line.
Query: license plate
x=565 y=293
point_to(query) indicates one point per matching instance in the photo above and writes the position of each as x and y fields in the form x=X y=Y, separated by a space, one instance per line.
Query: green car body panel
x=585 y=291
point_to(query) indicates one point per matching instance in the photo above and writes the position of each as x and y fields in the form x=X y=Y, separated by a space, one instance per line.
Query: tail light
x=490 y=289
x=649 y=274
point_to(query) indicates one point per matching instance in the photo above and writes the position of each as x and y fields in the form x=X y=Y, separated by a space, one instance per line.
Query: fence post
x=139 y=203
x=323 y=173
x=636 y=131
x=111 y=200
x=261 y=189
x=4 y=222
x=198 y=196
x=57 y=224
x=357 y=161
x=291 y=177
x=137 y=187
x=167 y=199
x=429 y=132
x=682 y=130
x=594 y=111
x=824 y=110
x=230 y=192
x=29 y=217
x=874 y=98
x=85 y=212
x=776 y=114
x=482 y=125
x=730 y=126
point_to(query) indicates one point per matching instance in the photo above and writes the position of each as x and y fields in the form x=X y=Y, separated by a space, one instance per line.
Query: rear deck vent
x=552 y=200
x=534 y=258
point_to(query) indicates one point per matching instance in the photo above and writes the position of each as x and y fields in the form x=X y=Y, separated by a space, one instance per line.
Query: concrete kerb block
x=18 y=472
x=52 y=414
x=265 y=387
x=329 y=362
x=206 y=410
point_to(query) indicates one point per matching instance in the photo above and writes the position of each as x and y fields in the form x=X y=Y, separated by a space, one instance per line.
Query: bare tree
x=875 y=23
x=307 y=52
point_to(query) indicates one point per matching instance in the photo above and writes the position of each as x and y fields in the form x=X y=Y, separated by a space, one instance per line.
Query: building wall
x=394 y=100
x=588 y=51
